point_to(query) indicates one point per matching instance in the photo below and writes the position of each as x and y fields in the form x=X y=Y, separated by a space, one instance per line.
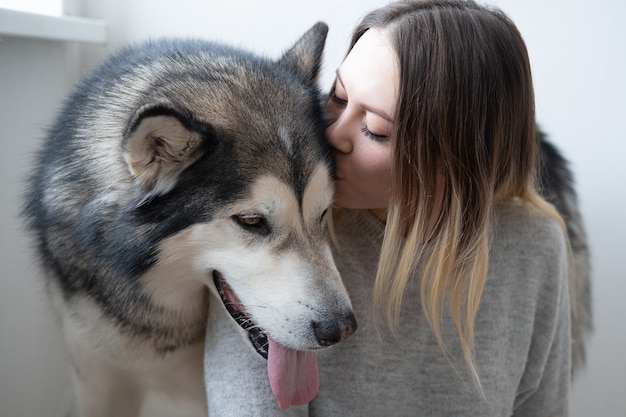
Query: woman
x=441 y=231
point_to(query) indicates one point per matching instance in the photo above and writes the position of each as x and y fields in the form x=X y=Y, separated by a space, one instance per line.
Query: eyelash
x=333 y=97
x=373 y=136
x=378 y=138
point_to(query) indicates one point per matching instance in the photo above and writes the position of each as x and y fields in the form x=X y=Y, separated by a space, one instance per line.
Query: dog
x=181 y=173
x=557 y=186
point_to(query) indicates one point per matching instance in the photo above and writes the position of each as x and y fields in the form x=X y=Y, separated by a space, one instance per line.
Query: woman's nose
x=338 y=136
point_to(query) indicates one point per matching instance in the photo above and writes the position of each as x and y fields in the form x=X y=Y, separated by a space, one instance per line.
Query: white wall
x=34 y=77
x=266 y=27
x=578 y=53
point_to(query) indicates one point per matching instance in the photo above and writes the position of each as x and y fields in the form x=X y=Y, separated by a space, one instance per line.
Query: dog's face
x=269 y=260
x=236 y=164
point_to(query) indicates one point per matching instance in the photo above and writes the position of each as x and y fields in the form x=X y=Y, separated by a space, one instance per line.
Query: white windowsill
x=31 y=25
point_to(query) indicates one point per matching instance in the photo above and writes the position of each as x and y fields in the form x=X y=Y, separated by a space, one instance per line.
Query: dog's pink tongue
x=293 y=374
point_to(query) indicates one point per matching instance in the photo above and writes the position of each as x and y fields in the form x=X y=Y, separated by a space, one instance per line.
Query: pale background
x=578 y=53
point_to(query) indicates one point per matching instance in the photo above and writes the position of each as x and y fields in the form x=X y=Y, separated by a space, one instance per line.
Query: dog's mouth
x=293 y=374
x=257 y=337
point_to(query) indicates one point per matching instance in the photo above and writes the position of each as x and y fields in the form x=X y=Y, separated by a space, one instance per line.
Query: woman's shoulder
x=528 y=252
x=521 y=223
x=528 y=244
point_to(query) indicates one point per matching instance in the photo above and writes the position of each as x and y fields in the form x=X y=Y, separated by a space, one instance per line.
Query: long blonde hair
x=465 y=140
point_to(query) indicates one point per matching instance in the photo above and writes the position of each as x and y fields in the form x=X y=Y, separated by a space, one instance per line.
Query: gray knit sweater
x=522 y=339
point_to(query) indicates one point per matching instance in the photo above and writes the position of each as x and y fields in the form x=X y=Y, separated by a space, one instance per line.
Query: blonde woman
x=456 y=267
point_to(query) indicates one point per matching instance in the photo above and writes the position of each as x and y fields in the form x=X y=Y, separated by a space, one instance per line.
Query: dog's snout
x=331 y=331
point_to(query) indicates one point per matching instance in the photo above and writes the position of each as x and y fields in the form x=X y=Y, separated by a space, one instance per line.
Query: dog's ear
x=159 y=144
x=305 y=56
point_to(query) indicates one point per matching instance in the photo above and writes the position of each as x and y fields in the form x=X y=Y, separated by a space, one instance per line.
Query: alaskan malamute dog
x=182 y=173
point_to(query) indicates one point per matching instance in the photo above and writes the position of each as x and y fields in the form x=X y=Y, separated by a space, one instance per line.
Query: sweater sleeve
x=235 y=375
x=545 y=386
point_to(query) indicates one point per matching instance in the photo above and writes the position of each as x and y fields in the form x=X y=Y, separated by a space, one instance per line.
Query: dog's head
x=228 y=156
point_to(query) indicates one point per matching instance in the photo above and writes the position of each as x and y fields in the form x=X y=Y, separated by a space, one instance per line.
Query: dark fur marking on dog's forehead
x=302 y=157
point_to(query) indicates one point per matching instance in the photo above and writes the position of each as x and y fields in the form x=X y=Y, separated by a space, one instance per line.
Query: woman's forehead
x=370 y=73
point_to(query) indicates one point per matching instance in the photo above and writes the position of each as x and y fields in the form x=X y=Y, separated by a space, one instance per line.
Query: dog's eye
x=323 y=216
x=251 y=220
x=253 y=223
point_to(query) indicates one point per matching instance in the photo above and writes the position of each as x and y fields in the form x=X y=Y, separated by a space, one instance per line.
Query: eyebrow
x=369 y=108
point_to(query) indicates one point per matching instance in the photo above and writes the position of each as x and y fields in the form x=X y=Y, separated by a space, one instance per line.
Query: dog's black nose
x=331 y=331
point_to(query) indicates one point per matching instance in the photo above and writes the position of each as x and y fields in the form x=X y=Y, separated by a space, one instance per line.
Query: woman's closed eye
x=372 y=135
x=336 y=99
